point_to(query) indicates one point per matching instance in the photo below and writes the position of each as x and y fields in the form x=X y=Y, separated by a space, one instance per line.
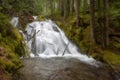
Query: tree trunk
x=76 y=5
x=66 y=8
x=84 y=6
x=62 y=7
x=72 y=6
x=106 y=6
x=51 y=6
x=100 y=21
x=92 y=21
x=59 y=6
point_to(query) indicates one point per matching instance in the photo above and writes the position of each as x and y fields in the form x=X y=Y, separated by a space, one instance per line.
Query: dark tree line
x=103 y=22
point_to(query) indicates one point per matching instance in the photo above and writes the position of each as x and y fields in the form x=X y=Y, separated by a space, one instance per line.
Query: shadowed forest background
x=94 y=25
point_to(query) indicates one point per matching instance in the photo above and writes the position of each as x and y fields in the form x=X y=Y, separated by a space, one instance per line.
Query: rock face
x=63 y=69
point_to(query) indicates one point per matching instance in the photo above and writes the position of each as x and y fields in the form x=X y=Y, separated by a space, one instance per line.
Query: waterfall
x=35 y=17
x=45 y=39
x=14 y=21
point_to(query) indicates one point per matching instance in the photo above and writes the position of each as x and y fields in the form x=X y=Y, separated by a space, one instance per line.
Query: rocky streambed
x=64 y=69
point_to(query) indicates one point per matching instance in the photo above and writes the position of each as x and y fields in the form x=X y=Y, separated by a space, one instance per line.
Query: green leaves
x=1 y=8
x=11 y=42
x=114 y=12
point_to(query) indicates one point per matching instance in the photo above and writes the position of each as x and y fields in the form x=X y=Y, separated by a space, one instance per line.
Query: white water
x=35 y=17
x=45 y=39
x=14 y=21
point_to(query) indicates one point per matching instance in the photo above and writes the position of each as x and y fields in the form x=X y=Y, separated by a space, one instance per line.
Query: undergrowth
x=10 y=46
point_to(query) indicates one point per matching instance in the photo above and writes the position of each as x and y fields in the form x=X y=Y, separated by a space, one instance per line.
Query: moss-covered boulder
x=112 y=59
x=10 y=46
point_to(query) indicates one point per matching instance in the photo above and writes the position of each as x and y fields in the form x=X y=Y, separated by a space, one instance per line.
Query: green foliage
x=11 y=45
x=41 y=18
x=117 y=44
x=75 y=34
x=20 y=6
x=111 y=58
x=114 y=13
x=7 y=29
x=1 y=8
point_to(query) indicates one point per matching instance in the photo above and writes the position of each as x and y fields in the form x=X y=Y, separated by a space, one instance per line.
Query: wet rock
x=63 y=69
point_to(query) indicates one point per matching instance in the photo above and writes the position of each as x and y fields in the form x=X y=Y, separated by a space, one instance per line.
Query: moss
x=85 y=43
x=116 y=44
x=41 y=18
x=111 y=58
x=10 y=46
x=6 y=64
x=10 y=61
x=4 y=75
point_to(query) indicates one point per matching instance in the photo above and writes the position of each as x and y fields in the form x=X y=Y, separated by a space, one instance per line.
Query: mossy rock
x=41 y=18
x=112 y=59
x=11 y=44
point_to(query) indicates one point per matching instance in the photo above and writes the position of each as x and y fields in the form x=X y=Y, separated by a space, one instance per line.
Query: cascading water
x=45 y=39
x=14 y=21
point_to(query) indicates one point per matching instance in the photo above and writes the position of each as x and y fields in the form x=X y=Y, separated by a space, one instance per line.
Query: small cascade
x=35 y=17
x=14 y=21
x=45 y=39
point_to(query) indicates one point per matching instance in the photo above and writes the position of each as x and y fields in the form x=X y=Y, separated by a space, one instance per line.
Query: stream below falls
x=54 y=57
